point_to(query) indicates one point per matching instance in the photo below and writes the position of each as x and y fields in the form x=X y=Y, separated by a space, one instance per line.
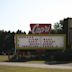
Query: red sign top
x=40 y=28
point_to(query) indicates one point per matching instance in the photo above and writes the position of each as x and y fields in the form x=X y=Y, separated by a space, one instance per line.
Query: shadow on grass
x=26 y=59
x=45 y=61
x=59 y=61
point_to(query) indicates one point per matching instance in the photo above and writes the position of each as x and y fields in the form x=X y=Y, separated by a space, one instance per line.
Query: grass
x=3 y=58
x=27 y=69
x=35 y=62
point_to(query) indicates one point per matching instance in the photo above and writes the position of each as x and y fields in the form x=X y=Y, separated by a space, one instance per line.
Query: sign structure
x=40 y=41
x=40 y=28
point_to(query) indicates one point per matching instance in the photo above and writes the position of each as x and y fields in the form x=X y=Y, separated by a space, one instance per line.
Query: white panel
x=40 y=41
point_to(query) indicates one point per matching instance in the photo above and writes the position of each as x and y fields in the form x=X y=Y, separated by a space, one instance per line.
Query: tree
x=19 y=32
x=9 y=41
x=58 y=27
x=24 y=32
x=2 y=41
x=52 y=31
x=29 y=32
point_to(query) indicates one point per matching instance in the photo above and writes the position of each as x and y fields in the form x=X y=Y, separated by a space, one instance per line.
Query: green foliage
x=7 y=41
x=58 y=27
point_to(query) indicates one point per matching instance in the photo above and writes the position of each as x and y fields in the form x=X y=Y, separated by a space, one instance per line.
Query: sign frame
x=35 y=48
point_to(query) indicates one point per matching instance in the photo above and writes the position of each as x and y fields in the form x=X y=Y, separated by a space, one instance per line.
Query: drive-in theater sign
x=40 y=28
x=56 y=41
x=40 y=39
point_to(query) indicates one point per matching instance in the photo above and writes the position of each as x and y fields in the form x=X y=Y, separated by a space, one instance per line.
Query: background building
x=67 y=29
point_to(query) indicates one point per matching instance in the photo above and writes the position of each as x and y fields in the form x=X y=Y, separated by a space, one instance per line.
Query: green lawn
x=3 y=58
x=26 y=69
x=35 y=62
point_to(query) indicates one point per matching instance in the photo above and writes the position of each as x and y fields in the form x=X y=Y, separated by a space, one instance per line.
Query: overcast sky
x=18 y=14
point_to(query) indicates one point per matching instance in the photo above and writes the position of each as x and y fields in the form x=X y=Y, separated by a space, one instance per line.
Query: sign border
x=35 y=48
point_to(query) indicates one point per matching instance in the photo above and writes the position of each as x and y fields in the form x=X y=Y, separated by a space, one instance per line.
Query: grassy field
x=35 y=62
x=26 y=69
x=3 y=58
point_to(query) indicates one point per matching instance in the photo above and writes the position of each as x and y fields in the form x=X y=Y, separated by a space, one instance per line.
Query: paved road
x=61 y=66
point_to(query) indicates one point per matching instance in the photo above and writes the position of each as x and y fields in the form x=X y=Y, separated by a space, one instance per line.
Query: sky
x=19 y=14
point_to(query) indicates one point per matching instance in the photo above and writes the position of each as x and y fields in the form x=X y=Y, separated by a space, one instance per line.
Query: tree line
x=7 y=41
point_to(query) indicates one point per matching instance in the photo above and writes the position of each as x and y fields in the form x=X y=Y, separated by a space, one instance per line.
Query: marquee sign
x=40 y=28
x=40 y=41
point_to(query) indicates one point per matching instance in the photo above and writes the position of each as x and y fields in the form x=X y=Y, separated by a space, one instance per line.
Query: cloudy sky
x=18 y=14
